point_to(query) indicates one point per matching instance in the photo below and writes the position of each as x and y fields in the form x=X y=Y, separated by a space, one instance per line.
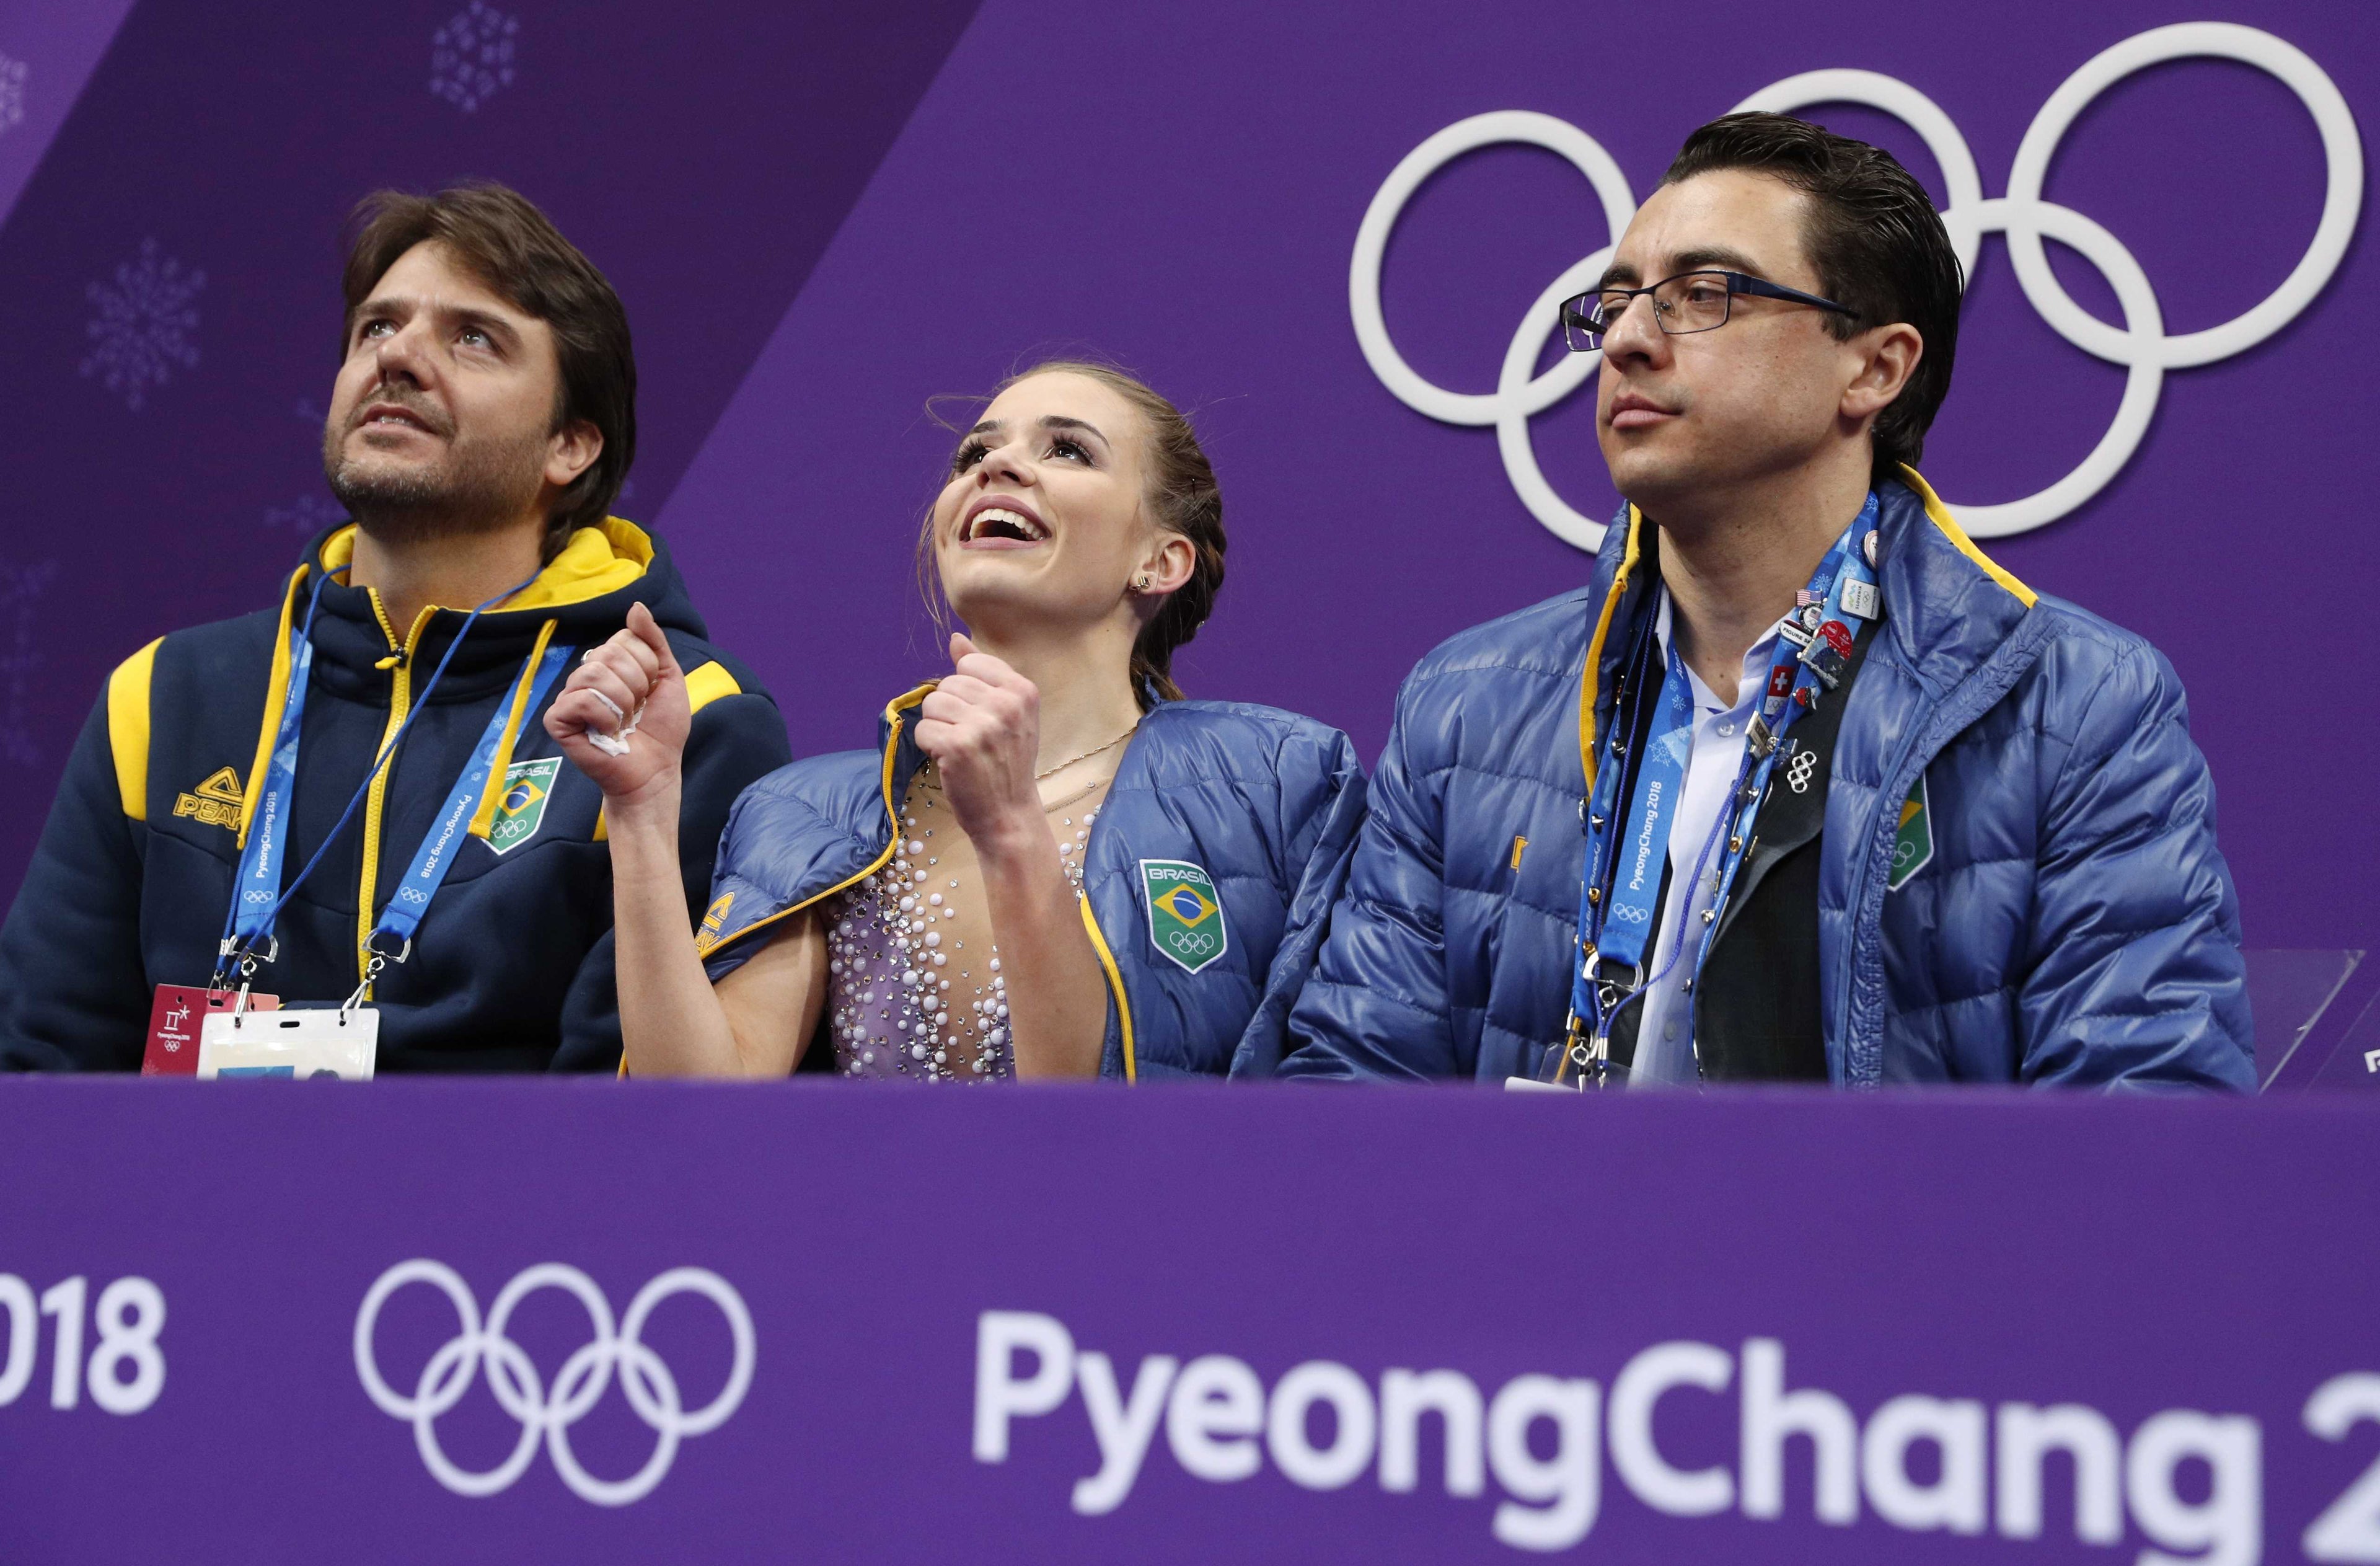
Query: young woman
x=1052 y=864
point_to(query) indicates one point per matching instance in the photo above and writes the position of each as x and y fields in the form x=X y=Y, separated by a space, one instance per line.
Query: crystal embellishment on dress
x=895 y=943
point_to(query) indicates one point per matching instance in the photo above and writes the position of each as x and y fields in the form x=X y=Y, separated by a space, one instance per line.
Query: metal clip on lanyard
x=260 y=893
x=1814 y=648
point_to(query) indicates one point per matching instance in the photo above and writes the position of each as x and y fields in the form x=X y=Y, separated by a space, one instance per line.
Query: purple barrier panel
x=2288 y=993
x=452 y=1321
x=2353 y=1065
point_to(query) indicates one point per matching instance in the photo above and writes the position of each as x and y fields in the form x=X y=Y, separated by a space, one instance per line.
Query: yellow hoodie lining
x=1592 y=676
x=595 y=562
x=1940 y=515
x=483 y=819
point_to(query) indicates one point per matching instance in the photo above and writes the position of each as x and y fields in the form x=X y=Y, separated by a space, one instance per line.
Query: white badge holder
x=304 y=1045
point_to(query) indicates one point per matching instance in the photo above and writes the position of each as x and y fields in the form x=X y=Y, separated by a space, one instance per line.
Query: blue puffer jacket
x=2074 y=922
x=1268 y=803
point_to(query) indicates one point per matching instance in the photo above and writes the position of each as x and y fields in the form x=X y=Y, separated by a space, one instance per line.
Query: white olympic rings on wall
x=545 y=1413
x=2141 y=345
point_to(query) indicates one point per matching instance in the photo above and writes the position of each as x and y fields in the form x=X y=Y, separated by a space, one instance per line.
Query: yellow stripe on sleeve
x=703 y=687
x=708 y=684
x=128 y=728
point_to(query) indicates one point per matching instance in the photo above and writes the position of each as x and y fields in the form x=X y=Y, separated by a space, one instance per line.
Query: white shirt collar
x=1748 y=685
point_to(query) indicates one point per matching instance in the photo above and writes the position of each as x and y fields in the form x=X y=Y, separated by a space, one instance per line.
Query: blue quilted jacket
x=2074 y=922
x=1268 y=803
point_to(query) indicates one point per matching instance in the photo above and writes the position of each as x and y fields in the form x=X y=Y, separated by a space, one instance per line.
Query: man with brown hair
x=350 y=797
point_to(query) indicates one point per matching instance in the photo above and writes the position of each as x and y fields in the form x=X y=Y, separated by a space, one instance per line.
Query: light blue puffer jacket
x=2075 y=923
x=1268 y=803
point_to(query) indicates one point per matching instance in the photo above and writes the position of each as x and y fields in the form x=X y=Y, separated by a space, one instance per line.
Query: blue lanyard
x=431 y=860
x=1625 y=928
x=256 y=899
x=1618 y=904
x=261 y=890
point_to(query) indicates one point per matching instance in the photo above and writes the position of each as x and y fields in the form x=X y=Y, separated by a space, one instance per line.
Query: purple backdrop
x=2133 y=1258
x=819 y=217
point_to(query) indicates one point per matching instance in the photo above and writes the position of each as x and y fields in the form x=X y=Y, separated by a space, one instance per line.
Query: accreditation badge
x=329 y=1043
x=1186 y=912
x=174 y=1019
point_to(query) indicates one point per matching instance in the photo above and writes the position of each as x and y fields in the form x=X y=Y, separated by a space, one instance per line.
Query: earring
x=1143 y=584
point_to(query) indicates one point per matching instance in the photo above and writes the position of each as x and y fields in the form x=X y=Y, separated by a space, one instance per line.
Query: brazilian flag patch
x=1186 y=912
x=520 y=809
x=1912 y=845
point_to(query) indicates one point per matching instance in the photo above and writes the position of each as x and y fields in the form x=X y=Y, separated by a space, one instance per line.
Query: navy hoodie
x=512 y=968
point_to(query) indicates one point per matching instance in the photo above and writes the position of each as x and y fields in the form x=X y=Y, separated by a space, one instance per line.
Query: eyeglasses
x=1692 y=302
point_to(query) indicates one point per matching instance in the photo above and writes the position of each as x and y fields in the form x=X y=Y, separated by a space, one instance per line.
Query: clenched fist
x=982 y=726
x=632 y=681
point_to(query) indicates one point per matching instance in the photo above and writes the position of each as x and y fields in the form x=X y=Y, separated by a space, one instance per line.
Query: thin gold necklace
x=1081 y=793
x=930 y=774
x=1084 y=791
x=1087 y=754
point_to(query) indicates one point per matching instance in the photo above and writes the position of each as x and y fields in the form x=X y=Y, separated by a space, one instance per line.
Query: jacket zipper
x=892 y=714
x=1974 y=696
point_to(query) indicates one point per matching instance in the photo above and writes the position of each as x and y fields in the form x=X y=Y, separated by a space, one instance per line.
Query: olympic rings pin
x=548 y=1413
x=2142 y=345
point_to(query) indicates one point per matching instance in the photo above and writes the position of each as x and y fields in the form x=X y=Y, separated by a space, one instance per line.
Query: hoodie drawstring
x=483 y=820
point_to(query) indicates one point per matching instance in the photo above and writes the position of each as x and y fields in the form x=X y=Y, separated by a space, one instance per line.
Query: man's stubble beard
x=481 y=488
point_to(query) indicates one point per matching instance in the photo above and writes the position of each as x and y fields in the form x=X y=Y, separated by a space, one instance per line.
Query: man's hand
x=632 y=678
x=982 y=726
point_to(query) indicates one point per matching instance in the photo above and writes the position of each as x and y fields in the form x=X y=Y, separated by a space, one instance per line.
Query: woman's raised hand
x=631 y=683
x=982 y=728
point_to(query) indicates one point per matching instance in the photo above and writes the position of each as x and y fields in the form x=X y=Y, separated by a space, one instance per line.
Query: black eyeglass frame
x=1578 y=323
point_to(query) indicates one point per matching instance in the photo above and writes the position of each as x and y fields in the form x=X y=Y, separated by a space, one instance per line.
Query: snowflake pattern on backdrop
x=146 y=325
x=305 y=516
x=21 y=587
x=471 y=56
x=12 y=92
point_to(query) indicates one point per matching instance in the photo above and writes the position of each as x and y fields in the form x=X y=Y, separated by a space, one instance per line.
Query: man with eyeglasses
x=1801 y=786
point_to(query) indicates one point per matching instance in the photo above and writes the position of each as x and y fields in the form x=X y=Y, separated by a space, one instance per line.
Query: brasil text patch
x=1186 y=912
